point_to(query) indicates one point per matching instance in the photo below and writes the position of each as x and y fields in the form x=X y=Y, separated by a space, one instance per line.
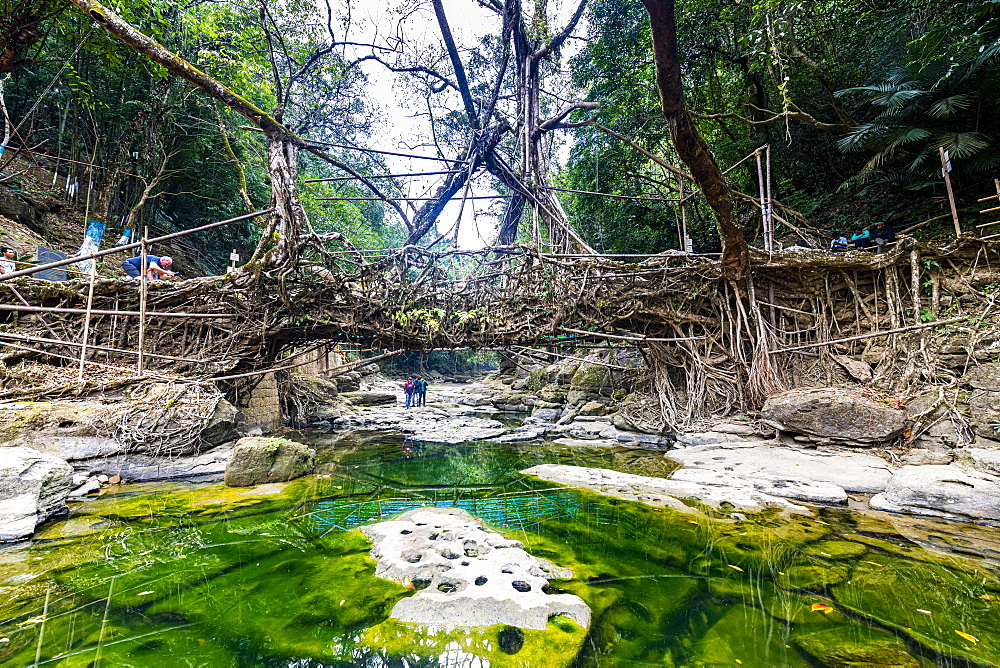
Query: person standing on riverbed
x=421 y=391
x=409 y=389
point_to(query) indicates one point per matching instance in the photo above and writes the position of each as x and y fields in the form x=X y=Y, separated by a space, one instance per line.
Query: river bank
x=158 y=573
x=822 y=446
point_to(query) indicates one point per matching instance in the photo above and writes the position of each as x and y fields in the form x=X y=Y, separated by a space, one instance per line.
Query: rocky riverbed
x=832 y=446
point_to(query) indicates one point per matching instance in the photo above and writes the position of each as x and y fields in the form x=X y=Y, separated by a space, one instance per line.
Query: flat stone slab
x=140 y=468
x=467 y=574
x=852 y=471
x=984 y=460
x=426 y=423
x=587 y=443
x=786 y=487
x=661 y=491
x=942 y=491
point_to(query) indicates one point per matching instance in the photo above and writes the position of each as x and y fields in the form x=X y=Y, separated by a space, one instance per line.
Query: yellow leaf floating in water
x=872 y=563
x=735 y=568
x=968 y=637
x=690 y=521
x=739 y=662
x=820 y=607
x=987 y=597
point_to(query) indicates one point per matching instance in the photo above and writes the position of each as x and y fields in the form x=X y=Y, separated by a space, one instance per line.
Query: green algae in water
x=200 y=574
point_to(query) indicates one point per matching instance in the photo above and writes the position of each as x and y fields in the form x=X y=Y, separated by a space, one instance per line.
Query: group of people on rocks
x=415 y=390
x=879 y=234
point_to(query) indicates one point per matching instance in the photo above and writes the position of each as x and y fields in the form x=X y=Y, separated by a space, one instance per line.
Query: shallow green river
x=185 y=574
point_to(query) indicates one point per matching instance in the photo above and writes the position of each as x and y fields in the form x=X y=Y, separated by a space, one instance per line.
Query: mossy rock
x=590 y=378
x=554 y=393
x=855 y=647
x=536 y=380
x=257 y=460
x=497 y=645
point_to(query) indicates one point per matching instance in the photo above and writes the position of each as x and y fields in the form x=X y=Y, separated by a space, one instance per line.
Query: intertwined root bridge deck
x=712 y=343
x=409 y=299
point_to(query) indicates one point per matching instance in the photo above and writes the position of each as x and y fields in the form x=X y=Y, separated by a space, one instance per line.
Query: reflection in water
x=196 y=574
x=515 y=511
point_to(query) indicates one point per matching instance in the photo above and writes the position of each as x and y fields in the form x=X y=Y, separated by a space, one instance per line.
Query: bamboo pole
x=339 y=371
x=627 y=338
x=872 y=335
x=770 y=204
x=951 y=193
x=570 y=357
x=86 y=322
x=40 y=339
x=763 y=200
x=24 y=301
x=143 y=289
x=379 y=176
x=96 y=311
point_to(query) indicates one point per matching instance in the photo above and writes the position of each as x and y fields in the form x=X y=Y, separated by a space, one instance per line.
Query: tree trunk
x=287 y=219
x=690 y=145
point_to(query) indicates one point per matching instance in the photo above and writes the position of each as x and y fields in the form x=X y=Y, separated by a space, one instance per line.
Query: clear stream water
x=197 y=574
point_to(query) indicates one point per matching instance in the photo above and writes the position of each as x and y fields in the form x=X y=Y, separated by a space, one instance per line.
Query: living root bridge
x=715 y=338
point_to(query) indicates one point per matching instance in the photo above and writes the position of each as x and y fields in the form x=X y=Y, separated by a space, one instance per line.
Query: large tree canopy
x=854 y=99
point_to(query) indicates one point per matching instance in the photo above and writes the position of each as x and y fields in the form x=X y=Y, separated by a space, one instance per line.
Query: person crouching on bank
x=157 y=267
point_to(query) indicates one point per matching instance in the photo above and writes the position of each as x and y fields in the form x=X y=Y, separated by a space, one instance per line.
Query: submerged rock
x=466 y=574
x=257 y=460
x=839 y=649
x=33 y=489
x=834 y=413
x=943 y=491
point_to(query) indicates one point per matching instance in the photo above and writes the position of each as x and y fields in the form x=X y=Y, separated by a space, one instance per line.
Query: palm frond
x=948 y=107
x=963 y=144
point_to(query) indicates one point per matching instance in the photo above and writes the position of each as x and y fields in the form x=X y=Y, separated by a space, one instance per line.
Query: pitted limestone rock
x=467 y=575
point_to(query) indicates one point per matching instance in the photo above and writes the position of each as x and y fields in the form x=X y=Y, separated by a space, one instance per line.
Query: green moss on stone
x=589 y=378
x=855 y=647
x=556 y=647
x=835 y=549
x=927 y=602
x=536 y=380
x=812 y=575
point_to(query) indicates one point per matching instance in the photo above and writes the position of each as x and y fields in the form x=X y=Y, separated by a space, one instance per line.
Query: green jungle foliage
x=910 y=76
x=855 y=99
x=89 y=99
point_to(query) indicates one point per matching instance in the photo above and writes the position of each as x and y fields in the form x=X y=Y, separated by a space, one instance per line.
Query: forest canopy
x=854 y=98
